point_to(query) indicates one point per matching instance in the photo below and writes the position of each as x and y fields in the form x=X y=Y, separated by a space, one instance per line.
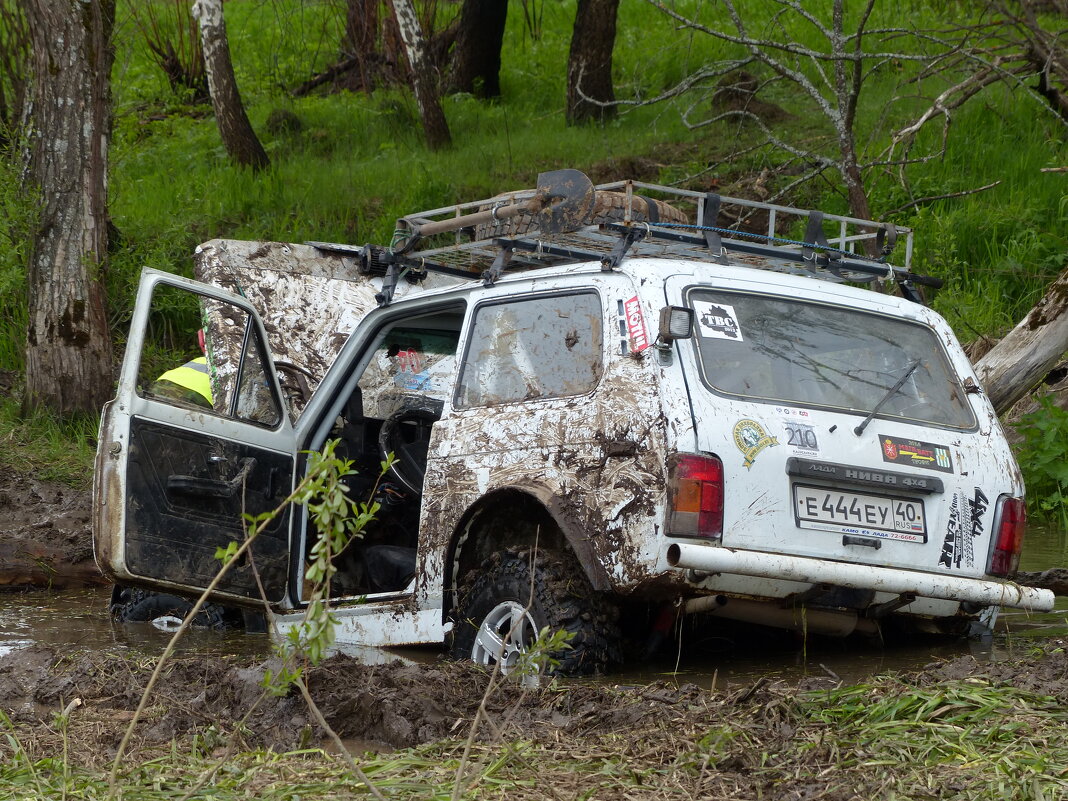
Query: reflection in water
x=80 y=619
x=1044 y=546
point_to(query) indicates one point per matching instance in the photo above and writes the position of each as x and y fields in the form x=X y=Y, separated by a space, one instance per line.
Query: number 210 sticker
x=801 y=437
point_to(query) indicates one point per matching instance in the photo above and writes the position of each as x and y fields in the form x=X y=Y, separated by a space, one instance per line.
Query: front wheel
x=515 y=595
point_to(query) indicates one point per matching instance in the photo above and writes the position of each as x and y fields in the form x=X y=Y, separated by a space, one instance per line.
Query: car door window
x=206 y=355
x=546 y=347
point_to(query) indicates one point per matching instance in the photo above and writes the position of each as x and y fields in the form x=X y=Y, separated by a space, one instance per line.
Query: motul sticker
x=751 y=438
x=639 y=339
x=914 y=453
x=717 y=321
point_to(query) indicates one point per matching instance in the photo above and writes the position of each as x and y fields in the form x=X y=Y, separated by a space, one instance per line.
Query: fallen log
x=1054 y=579
x=1026 y=354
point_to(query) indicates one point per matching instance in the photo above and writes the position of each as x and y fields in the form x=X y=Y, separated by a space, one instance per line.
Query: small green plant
x=1043 y=457
x=538 y=658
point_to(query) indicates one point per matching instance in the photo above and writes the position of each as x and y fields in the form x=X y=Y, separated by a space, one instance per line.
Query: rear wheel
x=516 y=594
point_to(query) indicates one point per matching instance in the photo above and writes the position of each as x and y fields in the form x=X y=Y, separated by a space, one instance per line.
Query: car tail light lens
x=695 y=496
x=1008 y=538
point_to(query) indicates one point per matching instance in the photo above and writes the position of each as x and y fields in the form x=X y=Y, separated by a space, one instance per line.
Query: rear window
x=812 y=354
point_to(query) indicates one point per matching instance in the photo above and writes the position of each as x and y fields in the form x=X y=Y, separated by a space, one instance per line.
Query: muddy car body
x=614 y=413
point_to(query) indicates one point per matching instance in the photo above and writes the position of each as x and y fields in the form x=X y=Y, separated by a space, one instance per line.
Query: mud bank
x=45 y=535
x=398 y=706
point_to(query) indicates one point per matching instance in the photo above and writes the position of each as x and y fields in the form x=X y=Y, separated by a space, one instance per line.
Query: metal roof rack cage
x=567 y=219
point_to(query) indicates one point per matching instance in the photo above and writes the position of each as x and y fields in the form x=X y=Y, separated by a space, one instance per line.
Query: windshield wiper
x=890 y=393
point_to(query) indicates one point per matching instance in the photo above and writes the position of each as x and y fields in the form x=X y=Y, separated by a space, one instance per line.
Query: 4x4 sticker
x=965 y=525
x=914 y=453
x=751 y=439
x=717 y=320
x=639 y=338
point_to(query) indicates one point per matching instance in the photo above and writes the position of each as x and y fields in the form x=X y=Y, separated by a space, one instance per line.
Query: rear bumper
x=714 y=559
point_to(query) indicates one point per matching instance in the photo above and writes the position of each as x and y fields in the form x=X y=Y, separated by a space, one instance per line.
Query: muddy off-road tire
x=500 y=592
x=608 y=207
x=144 y=606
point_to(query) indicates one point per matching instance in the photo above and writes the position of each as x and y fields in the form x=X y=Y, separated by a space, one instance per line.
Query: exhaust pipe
x=813 y=621
x=714 y=559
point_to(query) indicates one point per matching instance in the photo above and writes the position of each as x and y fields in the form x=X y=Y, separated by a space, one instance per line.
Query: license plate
x=882 y=516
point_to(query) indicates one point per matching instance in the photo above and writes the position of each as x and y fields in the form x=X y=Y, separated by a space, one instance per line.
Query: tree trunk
x=589 y=64
x=1027 y=353
x=424 y=79
x=68 y=344
x=236 y=131
x=360 y=41
x=476 y=58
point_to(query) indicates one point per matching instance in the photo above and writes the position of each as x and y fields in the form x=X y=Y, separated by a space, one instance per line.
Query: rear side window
x=796 y=352
x=546 y=347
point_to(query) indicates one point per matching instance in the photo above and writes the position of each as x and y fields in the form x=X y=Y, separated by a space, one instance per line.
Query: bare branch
x=947 y=196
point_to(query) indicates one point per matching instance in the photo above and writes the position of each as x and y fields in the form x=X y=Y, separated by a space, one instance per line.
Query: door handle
x=210 y=487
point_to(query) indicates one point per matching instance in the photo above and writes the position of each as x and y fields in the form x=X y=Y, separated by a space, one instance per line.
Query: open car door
x=196 y=437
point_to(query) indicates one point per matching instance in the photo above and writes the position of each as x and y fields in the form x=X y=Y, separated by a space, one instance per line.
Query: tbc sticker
x=913 y=453
x=717 y=320
x=751 y=439
x=639 y=339
x=965 y=525
x=801 y=438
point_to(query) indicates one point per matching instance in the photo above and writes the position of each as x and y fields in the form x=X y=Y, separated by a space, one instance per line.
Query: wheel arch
x=512 y=517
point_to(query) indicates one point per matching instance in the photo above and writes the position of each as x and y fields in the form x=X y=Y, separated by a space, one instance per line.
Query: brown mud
x=45 y=535
x=396 y=706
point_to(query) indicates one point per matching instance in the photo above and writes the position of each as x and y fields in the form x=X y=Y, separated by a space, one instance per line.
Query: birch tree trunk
x=1026 y=354
x=236 y=131
x=589 y=62
x=424 y=80
x=68 y=344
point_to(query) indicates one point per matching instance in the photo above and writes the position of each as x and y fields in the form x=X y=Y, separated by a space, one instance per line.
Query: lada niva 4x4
x=596 y=400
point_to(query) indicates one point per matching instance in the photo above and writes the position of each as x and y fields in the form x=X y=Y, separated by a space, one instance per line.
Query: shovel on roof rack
x=562 y=202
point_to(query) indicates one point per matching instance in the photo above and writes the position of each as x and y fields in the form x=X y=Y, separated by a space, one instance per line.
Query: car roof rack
x=566 y=220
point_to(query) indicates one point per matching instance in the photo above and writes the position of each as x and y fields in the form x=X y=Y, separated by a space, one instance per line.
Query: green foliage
x=538 y=658
x=18 y=218
x=45 y=447
x=1043 y=458
x=996 y=742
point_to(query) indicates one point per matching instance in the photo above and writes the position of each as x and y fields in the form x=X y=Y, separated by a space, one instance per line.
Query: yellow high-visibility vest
x=191 y=375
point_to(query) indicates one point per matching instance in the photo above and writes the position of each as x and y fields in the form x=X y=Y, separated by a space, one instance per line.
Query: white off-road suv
x=596 y=400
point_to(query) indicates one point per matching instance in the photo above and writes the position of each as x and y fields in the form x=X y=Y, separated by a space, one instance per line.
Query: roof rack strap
x=886 y=240
x=709 y=216
x=634 y=233
x=500 y=261
x=652 y=213
x=814 y=235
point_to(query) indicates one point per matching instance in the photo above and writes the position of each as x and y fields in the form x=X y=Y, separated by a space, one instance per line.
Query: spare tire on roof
x=608 y=207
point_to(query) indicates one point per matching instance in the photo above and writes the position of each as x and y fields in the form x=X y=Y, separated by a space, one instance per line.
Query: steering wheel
x=406 y=434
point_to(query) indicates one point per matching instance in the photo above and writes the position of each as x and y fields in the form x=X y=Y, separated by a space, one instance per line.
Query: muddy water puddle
x=79 y=619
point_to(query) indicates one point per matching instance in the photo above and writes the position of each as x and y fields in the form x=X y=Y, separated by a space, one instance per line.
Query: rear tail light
x=695 y=496
x=1011 y=521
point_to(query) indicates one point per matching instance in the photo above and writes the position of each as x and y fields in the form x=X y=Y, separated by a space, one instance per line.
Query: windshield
x=811 y=354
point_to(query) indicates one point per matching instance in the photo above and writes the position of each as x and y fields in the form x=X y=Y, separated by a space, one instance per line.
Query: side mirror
x=676 y=322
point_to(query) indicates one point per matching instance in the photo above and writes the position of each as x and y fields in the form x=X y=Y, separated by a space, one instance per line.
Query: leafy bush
x=1044 y=460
